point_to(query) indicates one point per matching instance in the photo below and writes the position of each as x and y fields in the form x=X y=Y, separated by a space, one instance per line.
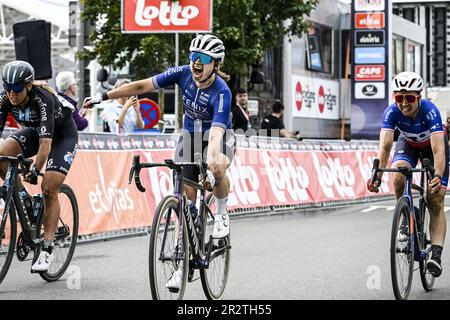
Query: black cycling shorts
x=406 y=152
x=191 y=143
x=63 y=149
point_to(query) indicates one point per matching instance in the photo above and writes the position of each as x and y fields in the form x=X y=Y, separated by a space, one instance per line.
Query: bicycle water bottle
x=38 y=206
x=27 y=203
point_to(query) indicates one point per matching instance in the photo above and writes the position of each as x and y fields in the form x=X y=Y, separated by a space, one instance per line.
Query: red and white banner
x=258 y=178
x=314 y=98
x=154 y=16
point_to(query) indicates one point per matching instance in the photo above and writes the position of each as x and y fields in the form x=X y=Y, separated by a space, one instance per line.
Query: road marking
x=388 y=208
x=373 y=208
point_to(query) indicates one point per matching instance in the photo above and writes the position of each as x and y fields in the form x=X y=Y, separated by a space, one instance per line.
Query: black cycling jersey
x=44 y=116
x=43 y=111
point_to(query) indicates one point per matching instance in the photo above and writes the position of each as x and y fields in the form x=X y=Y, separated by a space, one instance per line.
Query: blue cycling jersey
x=203 y=108
x=416 y=132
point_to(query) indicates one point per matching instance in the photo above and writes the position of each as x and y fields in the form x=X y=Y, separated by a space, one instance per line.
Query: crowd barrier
x=266 y=175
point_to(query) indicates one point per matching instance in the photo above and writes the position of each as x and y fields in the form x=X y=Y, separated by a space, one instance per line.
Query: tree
x=247 y=27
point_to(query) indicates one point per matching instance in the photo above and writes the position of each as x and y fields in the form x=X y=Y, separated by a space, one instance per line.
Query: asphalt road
x=334 y=254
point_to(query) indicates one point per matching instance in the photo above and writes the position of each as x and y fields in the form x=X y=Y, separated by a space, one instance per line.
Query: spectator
x=123 y=115
x=273 y=126
x=67 y=88
x=241 y=115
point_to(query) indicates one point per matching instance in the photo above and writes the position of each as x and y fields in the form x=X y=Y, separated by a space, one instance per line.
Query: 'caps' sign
x=154 y=16
x=369 y=72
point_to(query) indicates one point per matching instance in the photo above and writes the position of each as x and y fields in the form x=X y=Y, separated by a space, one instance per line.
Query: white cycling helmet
x=407 y=81
x=208 y=44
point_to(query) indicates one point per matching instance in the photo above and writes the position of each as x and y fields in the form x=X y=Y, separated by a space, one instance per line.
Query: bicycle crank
x=22 y=249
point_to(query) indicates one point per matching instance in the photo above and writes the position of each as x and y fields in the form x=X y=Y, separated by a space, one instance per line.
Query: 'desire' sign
x=154 y=16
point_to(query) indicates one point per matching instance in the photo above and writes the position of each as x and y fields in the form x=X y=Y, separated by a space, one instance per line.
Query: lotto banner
x=258 y=178
x=156 y=16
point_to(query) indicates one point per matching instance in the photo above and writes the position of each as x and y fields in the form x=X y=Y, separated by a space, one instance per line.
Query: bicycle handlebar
x=23 y=163
x=137 y=166
x=403 y=170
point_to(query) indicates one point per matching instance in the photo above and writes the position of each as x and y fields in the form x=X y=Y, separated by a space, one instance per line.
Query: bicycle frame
x=200 y=261
x=407 y=193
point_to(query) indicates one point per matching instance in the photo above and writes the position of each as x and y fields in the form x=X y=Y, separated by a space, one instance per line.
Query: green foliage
x=247 y=27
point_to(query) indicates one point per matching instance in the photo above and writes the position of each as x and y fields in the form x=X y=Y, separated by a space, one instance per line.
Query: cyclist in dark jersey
x=207 y=120
x=422 y=136
x=49 y=133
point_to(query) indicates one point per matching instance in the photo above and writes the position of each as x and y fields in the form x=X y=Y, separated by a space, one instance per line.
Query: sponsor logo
x=108 y=197
x=298 y=96
x=369 y=72
x=50 y=163
x=369 y=5
x=321 y=100
x=369 y=20
x=220 y=103
x=370 y=55
x=365 y=90
x=369 y=37
x=43 y=130
x=68 y=157
x=169 y=13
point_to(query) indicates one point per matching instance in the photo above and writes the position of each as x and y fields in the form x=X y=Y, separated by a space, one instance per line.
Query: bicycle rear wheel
x=7 y=240
x=163 y=251
x=215 y=277
x=402 y=251
x=426 y=277
x=66 y=234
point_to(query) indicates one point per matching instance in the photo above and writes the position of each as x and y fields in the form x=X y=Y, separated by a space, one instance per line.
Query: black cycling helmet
x=18 y=71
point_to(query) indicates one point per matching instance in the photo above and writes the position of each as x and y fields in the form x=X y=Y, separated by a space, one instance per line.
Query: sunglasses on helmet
x=410 y=98
x=17 y=87
x=204 y=58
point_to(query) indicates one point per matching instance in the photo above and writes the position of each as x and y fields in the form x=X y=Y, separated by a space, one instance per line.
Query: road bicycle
x=410 y=235
x=31 y=224
x=181 y=240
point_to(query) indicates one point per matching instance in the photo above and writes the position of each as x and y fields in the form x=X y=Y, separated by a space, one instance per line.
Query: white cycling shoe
x=43 y=262
x=175 y=281
x=221 y=226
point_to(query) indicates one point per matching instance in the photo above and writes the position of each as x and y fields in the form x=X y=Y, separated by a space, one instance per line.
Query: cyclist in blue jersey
x=422 y=135
x=207 y=121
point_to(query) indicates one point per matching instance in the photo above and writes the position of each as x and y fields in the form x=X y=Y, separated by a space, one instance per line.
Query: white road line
x=388 y=208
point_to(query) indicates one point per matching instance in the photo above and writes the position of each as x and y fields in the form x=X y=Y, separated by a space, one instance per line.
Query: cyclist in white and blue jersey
x=422 y=135
x=207 y=120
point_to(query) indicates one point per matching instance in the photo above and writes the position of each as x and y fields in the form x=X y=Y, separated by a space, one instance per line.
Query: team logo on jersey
x=69 y=157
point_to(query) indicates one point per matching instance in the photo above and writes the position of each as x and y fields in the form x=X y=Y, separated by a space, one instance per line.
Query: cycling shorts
x=191 y=143
x=406 y=152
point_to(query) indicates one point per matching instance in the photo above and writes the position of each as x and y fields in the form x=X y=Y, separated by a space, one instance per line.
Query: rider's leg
x=218 y=167
x=438 y=223
x=50 y=187
x=399 y=179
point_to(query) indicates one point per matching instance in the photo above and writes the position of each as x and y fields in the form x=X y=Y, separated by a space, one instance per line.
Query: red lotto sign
x=155 y=16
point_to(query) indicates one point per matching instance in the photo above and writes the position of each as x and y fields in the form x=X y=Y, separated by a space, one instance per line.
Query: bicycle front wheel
x=402 y=251
x=7 y=240
x=163 y=254
x=426 y=277
x=66 y=234
x=215 y=276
